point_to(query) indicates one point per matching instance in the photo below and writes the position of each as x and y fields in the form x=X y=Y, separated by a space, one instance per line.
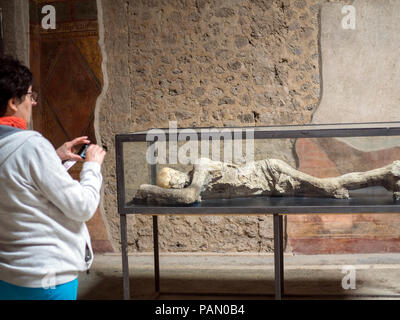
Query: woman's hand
x=68 y=149
x=95 y=153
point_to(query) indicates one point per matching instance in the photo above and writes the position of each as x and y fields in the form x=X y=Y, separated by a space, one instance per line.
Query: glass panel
x=136 y=169
x=248 y=181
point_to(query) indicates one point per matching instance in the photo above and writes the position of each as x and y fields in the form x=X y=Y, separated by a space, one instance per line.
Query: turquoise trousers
x=66 y=291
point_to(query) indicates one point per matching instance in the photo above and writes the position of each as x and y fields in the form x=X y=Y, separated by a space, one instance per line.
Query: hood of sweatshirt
x=11 y=139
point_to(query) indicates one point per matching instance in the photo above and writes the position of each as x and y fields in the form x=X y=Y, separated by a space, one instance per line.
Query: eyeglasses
x=33 y=95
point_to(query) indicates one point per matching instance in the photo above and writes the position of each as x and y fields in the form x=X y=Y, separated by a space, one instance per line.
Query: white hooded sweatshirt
x=43 y=236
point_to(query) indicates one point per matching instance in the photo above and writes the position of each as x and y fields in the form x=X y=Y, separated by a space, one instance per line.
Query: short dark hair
x=15 y=80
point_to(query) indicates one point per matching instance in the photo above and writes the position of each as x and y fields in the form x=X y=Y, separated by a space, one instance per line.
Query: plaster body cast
x=268 y=177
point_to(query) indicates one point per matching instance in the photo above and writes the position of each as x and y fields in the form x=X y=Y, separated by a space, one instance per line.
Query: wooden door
x=66 y=63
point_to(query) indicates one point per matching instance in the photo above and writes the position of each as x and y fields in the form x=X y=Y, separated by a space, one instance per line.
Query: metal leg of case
x=278 y=256
x=124 y=252
x=156 y=255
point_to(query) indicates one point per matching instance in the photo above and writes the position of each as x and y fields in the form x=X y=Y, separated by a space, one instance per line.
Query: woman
x=44 y=241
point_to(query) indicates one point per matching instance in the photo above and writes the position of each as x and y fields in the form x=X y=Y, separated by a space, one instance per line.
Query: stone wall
x=16 y=28
x=204 y=63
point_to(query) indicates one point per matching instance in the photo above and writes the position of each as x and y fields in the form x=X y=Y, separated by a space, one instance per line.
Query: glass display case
x=237 y=177
x=278 y=170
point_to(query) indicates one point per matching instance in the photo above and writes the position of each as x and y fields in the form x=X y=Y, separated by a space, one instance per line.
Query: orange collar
x=13 y=122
